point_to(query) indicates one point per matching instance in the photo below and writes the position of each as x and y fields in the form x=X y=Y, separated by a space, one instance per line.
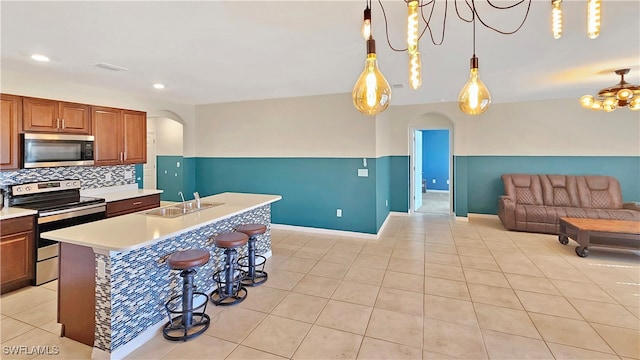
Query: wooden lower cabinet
x=77 y=293
x=17 y=254
x=122 y=207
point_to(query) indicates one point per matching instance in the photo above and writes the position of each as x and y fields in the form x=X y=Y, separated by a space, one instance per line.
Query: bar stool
x=185 y=326
x=230 y=291
x=253 y=272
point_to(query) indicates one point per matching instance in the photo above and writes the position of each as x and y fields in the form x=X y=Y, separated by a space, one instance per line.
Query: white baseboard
x=462 y=218
x=398 y=213
x=437 y=191
x=482 y=216
x=323 y=231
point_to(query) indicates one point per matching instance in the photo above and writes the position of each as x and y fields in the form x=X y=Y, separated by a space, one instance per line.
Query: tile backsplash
x=91 y=176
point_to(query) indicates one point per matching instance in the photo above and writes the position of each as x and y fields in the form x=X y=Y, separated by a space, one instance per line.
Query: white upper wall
x=315 y=126
x=552 y=128
x=168 y=136
x=33 y=86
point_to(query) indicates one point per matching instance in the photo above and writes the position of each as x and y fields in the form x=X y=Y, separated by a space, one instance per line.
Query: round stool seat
x=230 y=240
x=188 y=259
x=252 y=229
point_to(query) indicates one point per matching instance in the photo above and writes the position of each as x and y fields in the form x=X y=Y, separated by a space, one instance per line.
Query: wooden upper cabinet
x=10 y=107
x=107 y=130
x=120 y=136
x=75 y=118
x=43 y=115
x=135 y=137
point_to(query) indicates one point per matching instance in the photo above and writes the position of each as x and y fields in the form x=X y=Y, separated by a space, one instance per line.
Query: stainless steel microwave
x=48 y=150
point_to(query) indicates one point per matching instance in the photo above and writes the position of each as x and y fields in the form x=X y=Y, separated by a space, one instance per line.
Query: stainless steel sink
x=176 y=210
x=194 y=205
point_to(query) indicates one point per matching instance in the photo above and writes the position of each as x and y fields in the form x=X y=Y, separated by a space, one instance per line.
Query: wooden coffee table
x=598 y=232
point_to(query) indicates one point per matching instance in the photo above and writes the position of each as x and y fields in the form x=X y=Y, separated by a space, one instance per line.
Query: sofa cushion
x=599 y=192
x=526 y=188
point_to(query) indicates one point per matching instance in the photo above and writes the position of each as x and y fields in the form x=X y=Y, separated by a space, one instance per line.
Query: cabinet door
x=40 y=115
x=10 y=113
x=16 y=252
x=107 y=129
x=74 y=118
x=135 y=137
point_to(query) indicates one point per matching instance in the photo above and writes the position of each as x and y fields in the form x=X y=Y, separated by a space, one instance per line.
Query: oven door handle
x=47 y=217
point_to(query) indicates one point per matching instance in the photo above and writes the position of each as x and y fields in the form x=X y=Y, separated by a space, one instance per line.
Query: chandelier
x=593 y=18
x=372 y=93
x=621 y=94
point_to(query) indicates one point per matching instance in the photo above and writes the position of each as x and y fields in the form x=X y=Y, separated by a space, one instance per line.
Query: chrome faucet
x=196 y=195
x=182 y=196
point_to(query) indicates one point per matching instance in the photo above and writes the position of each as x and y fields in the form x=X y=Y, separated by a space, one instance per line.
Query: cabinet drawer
x=16 y=225
x=127 y=206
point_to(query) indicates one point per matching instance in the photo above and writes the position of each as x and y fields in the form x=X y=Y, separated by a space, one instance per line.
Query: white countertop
x=132 y=231
x=121 y=192
x=14 y=212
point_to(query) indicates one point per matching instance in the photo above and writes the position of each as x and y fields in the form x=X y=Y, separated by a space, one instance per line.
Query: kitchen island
x=113 y=276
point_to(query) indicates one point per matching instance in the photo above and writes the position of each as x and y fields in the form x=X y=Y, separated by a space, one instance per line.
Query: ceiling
x=224 y=51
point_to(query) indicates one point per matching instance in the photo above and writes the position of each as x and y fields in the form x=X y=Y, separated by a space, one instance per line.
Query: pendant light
x=474 y=98
x=593 y=18
x=415 y=68
x=371 y=93
x=556 y=18
x=366 y=23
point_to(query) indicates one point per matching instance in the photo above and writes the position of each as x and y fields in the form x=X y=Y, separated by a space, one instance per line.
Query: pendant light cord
x=474 y=30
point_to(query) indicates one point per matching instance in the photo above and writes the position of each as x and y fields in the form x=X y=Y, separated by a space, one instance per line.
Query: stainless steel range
x=59 y=205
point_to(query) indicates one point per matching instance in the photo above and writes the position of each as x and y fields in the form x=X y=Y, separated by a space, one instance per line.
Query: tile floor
x=430 y=287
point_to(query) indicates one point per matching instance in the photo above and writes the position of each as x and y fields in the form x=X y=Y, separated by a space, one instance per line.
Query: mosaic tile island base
x=132 y=279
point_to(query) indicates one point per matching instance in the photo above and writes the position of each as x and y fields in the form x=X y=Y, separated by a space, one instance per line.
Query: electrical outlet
x=386 y=203
x=178 y=164
x=447 y=181
x=339 y=212
x=107 y=176
x=433 y=181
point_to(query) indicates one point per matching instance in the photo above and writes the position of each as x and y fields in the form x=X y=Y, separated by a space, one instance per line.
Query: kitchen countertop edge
x=14 y=212
x=59 y=235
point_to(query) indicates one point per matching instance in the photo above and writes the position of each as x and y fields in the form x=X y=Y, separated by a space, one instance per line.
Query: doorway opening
x=432 y=151
x=431 y=164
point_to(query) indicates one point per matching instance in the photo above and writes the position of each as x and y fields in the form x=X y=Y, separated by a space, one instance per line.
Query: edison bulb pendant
x=474 y=98
x=371 y=93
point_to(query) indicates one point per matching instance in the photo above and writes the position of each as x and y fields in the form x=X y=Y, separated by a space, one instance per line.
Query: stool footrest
x=228 y=293
x=175 y=329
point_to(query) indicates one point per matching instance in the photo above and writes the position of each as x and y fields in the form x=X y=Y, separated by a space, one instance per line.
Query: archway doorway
x=431 y=168
x=165 y=156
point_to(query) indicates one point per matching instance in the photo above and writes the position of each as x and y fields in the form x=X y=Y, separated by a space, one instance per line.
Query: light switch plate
x=363 y=172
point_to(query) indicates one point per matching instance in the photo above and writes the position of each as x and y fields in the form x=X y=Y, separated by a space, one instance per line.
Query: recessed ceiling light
x=38 y=57
x=158 y=86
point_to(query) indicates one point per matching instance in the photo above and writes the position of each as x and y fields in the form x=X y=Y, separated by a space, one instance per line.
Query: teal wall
x=170 y=178
x=311 y=188
x=383 y=189
x=139 y=175
x=399 y=183
x=477 y=178
x=188 y=177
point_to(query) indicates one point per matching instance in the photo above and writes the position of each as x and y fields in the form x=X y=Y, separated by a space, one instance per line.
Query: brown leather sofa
x=535 y=203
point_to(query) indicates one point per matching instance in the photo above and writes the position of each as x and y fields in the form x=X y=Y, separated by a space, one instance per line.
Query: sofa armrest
x=631 y=206
x=507 y=211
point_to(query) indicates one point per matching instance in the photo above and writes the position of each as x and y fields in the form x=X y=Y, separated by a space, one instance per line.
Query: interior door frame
x=412 y=175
